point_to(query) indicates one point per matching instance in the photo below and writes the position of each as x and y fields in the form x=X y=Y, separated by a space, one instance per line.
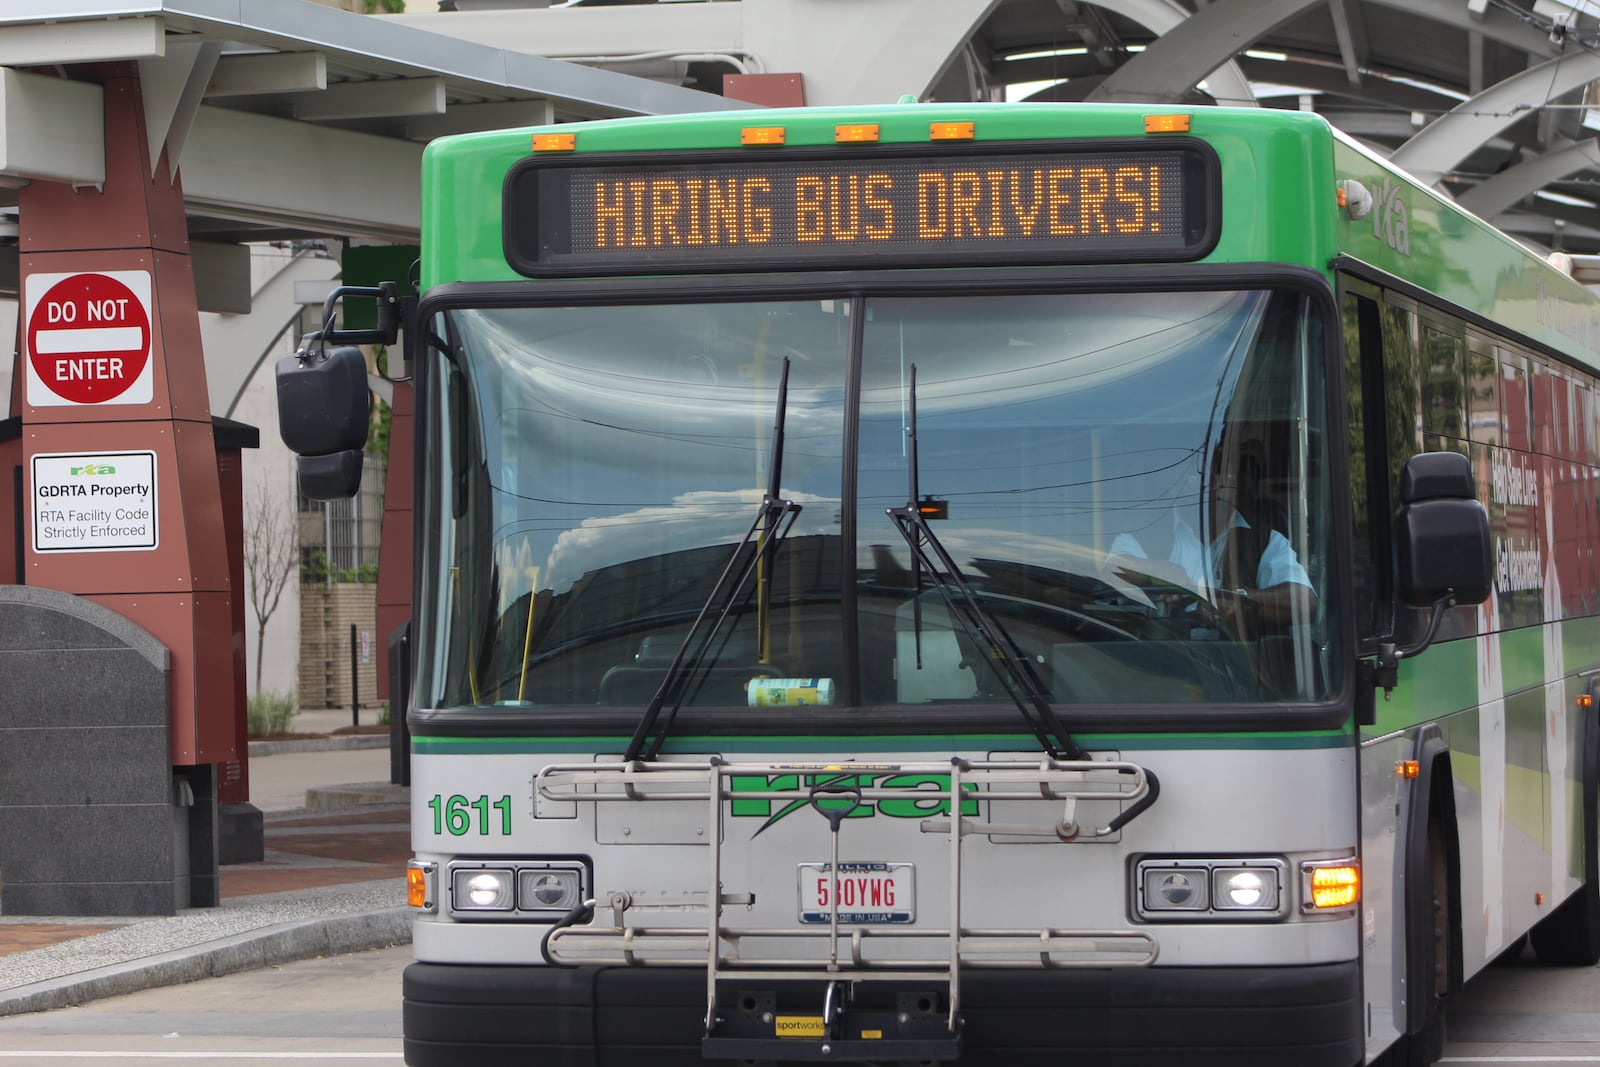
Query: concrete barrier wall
x=89 y=822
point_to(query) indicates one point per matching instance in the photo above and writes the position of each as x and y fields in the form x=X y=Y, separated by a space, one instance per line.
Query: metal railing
x=935 y=953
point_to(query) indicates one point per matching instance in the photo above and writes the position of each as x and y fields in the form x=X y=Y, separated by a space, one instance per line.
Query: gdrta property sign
x=99 y=502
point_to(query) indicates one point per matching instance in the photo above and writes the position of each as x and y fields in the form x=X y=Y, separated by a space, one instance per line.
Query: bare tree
x=270 y=557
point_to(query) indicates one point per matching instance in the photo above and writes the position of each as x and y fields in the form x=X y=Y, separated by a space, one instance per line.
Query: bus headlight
x=550 y=889
x=1245 y=888
x=516 y=890
x=481 y=889
x=1196 y=889
x=1174 y=889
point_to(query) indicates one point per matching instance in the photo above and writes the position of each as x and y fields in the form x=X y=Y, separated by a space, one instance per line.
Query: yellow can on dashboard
x=789 y=692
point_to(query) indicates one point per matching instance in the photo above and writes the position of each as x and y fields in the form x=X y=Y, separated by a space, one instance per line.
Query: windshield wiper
x=995 y=644
x=772 y=523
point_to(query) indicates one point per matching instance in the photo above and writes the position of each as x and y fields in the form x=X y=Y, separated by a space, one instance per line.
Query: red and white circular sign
x=88 y=338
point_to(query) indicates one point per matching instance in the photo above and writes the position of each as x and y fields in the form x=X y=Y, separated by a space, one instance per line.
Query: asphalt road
x=1520 y=1013
x=336 y=1011
x=345 y=1010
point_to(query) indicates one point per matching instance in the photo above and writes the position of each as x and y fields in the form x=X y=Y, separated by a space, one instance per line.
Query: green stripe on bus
x=991 y=742
x=1522 y=658
x=1442 y=679
x=1580 y=643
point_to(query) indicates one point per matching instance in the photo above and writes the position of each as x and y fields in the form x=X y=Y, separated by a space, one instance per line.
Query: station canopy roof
x=287 y=119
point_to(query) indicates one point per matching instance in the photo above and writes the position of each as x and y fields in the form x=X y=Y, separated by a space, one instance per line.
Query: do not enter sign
x=88 y=338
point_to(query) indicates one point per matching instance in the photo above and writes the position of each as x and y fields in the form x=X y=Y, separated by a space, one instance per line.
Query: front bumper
x=629 y=1017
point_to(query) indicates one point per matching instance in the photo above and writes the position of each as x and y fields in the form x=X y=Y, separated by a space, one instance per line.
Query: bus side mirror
x=1442 y=545
x=324 y=409
x=333 y=477
x=1442 y=555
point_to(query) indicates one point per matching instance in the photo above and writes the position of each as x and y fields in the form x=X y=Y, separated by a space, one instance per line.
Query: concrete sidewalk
x=337 y=839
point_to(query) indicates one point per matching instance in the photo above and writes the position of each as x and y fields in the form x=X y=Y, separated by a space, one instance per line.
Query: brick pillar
x=121 y=497
x=394 y=539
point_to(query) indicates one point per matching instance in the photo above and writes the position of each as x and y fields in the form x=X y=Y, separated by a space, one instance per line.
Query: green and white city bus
x=987 y=583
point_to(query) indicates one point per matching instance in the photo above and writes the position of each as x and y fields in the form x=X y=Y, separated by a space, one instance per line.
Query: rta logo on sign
x=100 y=503
x=88 y=338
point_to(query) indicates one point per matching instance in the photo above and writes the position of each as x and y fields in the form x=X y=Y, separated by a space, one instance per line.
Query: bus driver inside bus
x=1248 y=577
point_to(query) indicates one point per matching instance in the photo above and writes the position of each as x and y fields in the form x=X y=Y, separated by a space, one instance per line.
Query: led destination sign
x=1107 y=205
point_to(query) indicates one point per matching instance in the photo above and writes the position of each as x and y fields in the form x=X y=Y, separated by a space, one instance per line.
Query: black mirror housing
x=1442 y=543
x=331 y=477
x=324 y=403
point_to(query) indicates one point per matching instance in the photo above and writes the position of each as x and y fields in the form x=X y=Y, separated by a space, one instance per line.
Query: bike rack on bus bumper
x=849 y=956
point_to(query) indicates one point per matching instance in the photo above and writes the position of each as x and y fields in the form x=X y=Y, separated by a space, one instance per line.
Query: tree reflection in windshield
x=615 y=455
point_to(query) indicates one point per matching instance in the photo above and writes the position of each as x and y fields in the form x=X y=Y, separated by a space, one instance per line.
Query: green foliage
x=382 y=415
x=269 y=713
x=315 y=571
x=378 y=432
x=386 y=7
x=1404 y=417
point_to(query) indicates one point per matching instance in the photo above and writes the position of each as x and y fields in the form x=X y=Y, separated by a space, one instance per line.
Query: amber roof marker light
x=555 y=142
x=761 y=135
x=1166 y=124
x=951 y=131
x=856 y=133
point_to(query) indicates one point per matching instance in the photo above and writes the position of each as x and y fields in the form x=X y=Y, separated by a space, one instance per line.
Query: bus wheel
x=1425 y=1045
x=1570 y=935
x=1512 y=952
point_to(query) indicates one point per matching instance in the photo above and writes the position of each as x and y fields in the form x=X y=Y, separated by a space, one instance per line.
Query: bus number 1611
x=455 y=815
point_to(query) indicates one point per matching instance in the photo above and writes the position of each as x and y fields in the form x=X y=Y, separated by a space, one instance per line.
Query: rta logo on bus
x=88 y=338
x=1391 y=221
x=926 y=795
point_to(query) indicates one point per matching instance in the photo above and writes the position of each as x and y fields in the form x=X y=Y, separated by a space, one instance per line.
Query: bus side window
x=1363 y=381
x=1404 y=423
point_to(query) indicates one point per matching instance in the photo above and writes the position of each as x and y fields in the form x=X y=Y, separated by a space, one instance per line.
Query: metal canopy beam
x=378 y=45
x=1349 y=30
x=373 y=99
x=471 y=118
x=269 y=72
x=1162 y=17
x=257 y=168
x=584 y=31
x=1180 y=59
x=1497 y=194
x=1503 y=26
x=236 y=165
x=1449 y=139
x=893 y=47
x=172 y=87
x=43 y=44
x=51 y=129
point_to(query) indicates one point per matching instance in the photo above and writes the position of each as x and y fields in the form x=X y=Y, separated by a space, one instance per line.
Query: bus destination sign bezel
x=1031 y=203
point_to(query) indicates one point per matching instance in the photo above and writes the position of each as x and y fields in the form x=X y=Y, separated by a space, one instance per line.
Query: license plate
x=867 y=892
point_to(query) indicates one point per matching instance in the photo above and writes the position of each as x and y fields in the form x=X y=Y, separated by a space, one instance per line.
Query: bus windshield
x=1133 y=486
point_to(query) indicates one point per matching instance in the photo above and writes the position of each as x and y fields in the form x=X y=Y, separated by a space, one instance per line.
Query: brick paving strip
x=311 y=855
x=242 y=934
x=23 y=937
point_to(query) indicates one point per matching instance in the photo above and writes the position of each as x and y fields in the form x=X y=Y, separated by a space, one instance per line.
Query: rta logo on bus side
x=1391 y=219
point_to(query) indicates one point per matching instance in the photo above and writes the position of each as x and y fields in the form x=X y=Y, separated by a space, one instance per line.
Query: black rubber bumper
x=620 y=1017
